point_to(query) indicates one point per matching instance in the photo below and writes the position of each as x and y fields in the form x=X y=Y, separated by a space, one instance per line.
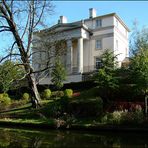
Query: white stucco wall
x=108 y=34
x=121 y=35
x=106 y=21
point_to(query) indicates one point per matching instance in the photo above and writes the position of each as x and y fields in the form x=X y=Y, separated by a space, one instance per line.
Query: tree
x=9 y=73
x=139 y=61
x=58 y=74
x=21 y=19
x=105 y=76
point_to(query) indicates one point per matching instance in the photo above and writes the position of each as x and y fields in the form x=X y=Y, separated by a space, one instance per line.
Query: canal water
x=22 y=138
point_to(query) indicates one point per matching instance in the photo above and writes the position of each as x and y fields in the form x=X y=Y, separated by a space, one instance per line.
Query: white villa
x=86 y=40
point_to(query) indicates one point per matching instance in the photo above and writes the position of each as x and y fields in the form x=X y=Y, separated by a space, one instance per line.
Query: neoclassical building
x=85 y=41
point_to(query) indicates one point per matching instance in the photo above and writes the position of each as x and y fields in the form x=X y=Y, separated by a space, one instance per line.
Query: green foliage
x=25 y=97
x=47 y=94
x=58 y=74
x=105 y=77
x=139 y=61
x=4 y=99
x=139 y=71
x=68 y=93
x=57 y=94
x=139 y=40
x=9 y=72
x=57 y=108
x=86 y=108
x=124 y=117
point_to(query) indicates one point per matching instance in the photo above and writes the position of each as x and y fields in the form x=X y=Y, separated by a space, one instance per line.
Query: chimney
x=63 y=19
x=92 y=13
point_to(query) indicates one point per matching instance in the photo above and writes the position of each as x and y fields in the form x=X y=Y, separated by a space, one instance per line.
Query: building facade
x=85 y=41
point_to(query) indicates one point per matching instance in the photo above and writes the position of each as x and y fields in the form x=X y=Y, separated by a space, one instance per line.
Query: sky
x=129 y=11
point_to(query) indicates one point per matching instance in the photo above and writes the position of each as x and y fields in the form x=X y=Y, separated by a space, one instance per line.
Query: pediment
x=64 y=27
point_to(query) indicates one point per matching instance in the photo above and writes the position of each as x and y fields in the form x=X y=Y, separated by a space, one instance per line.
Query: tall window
x=98 y=44
x=98 y=63
x=98 y=23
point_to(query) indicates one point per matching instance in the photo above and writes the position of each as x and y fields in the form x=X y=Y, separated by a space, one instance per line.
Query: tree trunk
x=8 y=15
x=35 y=96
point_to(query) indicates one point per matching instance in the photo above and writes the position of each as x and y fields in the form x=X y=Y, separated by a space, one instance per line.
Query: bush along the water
x=124 y=117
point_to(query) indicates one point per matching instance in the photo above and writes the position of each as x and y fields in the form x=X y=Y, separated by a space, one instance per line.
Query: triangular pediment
x=67 y=26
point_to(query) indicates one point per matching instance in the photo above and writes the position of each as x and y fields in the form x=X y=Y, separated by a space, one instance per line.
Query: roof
x=79 y=24
x=68 y=26
x=111 y=14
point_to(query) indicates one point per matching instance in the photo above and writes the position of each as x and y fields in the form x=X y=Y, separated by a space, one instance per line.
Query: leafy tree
x=58 y=74
x=20 y=19
x=105 y=76
x=9 y=73
x=139 y=61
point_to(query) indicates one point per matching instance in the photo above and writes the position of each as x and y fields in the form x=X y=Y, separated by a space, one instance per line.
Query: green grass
x=27 y=114
x=33 y=123
x=26 y=111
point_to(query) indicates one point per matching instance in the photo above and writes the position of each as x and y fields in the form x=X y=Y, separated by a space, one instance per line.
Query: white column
x=69 y=57
x=80 y=55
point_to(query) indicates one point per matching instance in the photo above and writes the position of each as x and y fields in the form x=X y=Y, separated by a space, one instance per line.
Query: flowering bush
x=76 y=94
x=130 y=106
x=124 y=116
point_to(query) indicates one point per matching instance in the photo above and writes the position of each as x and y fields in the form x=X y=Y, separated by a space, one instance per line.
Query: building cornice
x=72 y=26
x=107 y=15
x=81 y=24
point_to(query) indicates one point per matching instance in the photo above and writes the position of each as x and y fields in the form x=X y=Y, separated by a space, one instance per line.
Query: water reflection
x=18 y=138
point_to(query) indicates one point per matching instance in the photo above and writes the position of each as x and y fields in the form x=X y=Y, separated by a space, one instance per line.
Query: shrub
x=76 y=94
x=4 y=100
x=25 y=97
x=120 y=117
x=113 y=118
x=86 y=108
x=68 y=93
x=47 y=94
x=56 y=94
x=55 y=109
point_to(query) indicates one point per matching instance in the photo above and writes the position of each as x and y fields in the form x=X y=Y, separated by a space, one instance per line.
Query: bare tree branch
x=9 y=55
x=41 y=14
x=2 y=30
x=7 y=27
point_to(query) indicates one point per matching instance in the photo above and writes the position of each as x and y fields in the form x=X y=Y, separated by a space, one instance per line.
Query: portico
x=74 y=57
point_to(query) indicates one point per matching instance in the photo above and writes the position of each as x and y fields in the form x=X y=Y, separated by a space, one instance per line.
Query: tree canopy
x=139 y=61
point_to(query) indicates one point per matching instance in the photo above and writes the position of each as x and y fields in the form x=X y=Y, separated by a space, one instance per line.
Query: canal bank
x=52 y=124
